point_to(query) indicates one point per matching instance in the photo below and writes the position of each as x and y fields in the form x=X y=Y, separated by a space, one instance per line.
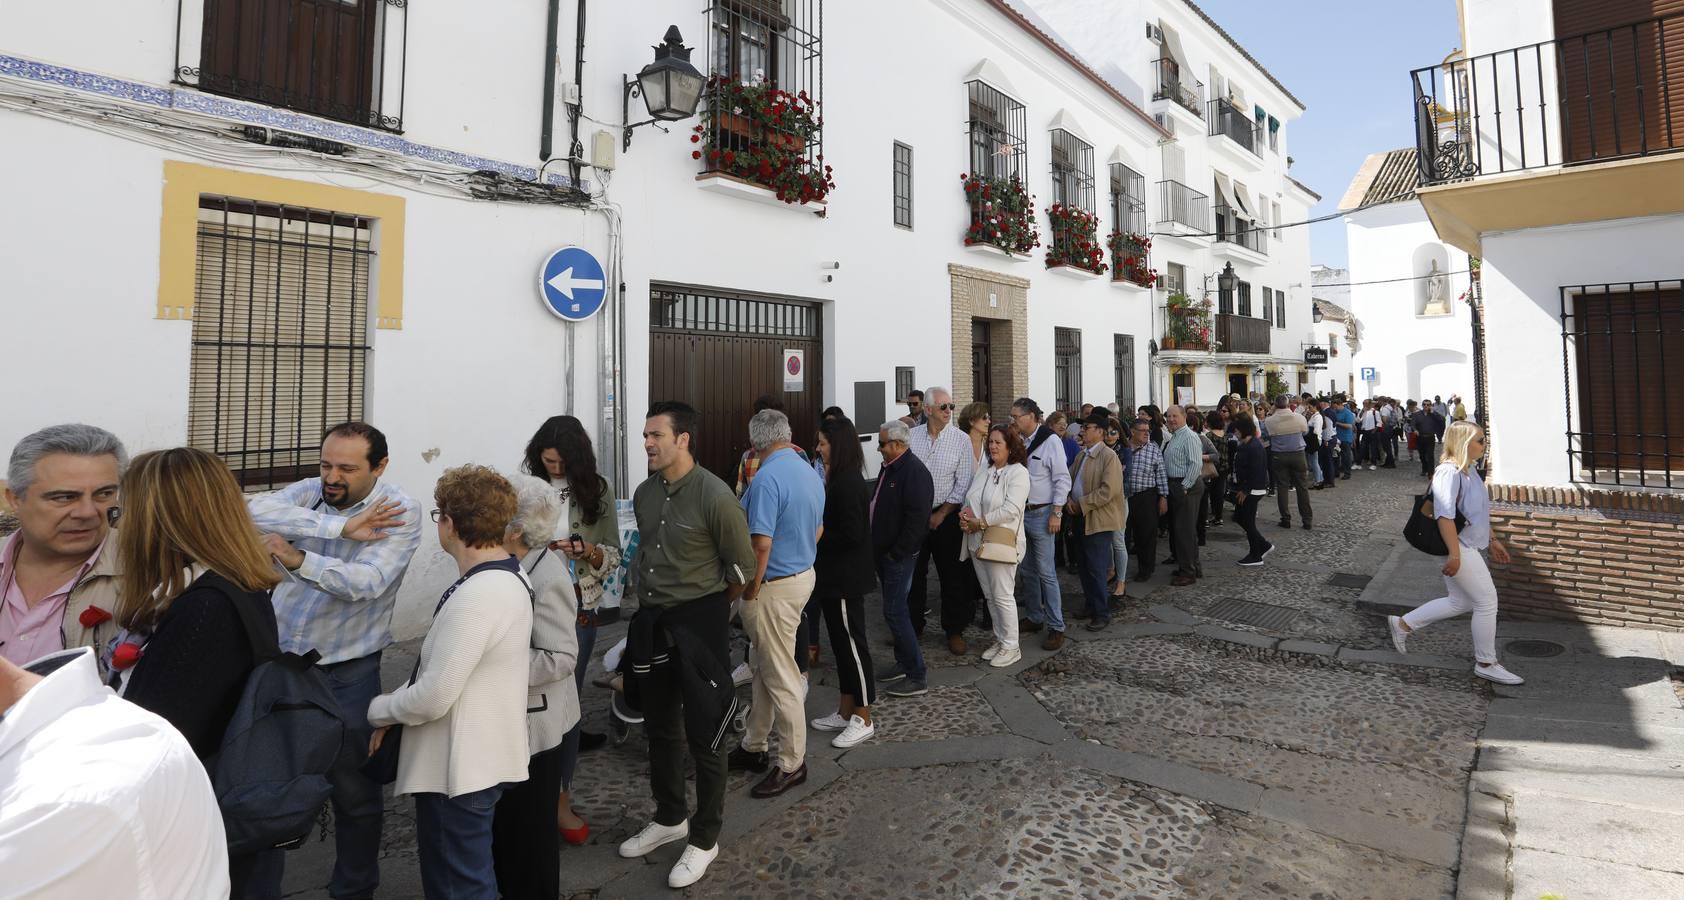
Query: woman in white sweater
x=995 y=501
x=464 y=709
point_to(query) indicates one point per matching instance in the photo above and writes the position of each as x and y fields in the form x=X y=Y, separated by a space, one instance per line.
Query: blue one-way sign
x=572 y=284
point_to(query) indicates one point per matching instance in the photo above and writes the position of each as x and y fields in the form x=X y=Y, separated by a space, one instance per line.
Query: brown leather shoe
x=956 y=645
x=1027 y=627
x=1183 y=581
x=777 y=781
x=1054 y=641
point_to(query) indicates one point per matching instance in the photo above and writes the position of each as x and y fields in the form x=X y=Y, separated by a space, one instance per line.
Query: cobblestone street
x=1178 y=753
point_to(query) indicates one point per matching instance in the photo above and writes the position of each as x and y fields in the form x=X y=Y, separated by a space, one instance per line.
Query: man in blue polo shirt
x=785 y=506
x=1346 y=422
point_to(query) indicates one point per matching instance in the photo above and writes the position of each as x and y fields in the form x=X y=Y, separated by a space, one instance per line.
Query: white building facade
x=1410 y=290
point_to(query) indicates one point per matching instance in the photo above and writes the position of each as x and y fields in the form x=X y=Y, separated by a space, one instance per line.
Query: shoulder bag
x=1422 y=529
x=999 y=543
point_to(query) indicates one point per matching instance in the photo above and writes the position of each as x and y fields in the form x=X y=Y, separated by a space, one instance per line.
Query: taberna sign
x=1315 y=356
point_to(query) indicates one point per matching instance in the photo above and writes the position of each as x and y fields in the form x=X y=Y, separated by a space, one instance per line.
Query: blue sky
x=1349 y=62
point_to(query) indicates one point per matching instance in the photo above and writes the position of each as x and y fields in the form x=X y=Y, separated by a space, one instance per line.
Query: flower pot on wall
x=1169 y=343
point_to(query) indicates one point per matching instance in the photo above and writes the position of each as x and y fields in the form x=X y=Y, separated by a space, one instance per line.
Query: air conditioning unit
x=1165 y=121
x=1154 y=33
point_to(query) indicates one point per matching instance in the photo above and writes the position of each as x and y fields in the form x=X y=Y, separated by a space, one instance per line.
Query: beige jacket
x=1103 y=506
x=97 y=588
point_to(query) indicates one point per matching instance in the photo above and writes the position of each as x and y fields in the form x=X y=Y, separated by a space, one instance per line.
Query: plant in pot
x=1002 y=213
x=761 y=133
x=1178 y=331
x=1128 y=254
x=1075 y=239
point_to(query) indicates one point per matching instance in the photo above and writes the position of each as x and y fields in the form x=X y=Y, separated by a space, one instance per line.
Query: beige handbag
x=999 y=544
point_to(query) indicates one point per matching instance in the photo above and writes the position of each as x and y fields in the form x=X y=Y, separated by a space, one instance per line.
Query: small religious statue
x=1437 y=303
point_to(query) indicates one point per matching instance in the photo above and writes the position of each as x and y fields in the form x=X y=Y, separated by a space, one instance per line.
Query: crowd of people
x=159 y=580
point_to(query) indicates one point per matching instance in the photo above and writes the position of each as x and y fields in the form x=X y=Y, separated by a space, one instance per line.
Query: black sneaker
x=908 y=687
x=1252 y=561
x=890 y=675
x=742 y=759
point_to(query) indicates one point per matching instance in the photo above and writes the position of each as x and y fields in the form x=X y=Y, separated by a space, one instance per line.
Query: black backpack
x=1422 y=530
x=271 y=773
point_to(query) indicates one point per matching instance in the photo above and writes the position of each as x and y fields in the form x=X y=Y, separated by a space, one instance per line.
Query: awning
x=1240 y=193
x=1172 y=45
x=1274 y=124
x=1259 y=114
x=1225 y=191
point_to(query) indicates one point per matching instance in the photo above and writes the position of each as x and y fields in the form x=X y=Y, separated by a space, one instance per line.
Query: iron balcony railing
x=1581 y=98
x=1241 y=334
x=1233 y=122
x=1171 y=87
x=1231 y=229
x=1181 y=204
x=338 y=60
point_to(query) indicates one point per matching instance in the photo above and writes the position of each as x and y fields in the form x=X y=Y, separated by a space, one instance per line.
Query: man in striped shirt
x=1147 y=488
x=345 y=539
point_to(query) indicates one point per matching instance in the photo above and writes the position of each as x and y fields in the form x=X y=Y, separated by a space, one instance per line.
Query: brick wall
x=1591 y=555
x=1010 y=324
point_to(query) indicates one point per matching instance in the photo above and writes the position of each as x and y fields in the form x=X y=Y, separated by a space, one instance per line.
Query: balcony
x=1233 y=231
x=343 y=61
x=1577 y=123
x=1187 y=324
x=1234 y=123
x=1241 y=334
x=1189 y=96
x=1180 y=205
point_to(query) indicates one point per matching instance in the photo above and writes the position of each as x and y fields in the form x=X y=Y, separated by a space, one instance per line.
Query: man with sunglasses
x=58 y=572
x=946 y=453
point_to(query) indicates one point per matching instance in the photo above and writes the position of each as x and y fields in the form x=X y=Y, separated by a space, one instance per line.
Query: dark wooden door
x=720 y=351
x=982 y=360
x=311 y=55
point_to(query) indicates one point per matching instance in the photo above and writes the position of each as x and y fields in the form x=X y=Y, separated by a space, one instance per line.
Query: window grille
x=1625 y=418
x=1072 y=170
x=1123 y=360
x=905 y=382
x=1244 y=290
x=1128 y=199
x=903 y=185
x=777 y=43
x=1280 y=309
x=997 y=128
x=280 y=335
x=1224 y=300
x=1067 y=368
x=683 y=309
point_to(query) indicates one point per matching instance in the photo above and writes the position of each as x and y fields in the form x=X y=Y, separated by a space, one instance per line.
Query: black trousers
x=958 y=604
x=525 y=844
x=663 y=722
x=1143 y=521
x=1424 y=445
x=1184 y=533
x=1246 y=515
x=845 y=617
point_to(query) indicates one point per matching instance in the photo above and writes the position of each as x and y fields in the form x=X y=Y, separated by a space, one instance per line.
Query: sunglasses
x=946 y=407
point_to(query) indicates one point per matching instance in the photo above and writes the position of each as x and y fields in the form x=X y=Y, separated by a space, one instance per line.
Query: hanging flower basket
x=1002 y=213
x=1075 y=239
x=761 y=134
x=1129 y=253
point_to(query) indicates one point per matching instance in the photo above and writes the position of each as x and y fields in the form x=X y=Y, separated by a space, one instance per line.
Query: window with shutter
x=280 y=335
x=1628 y=408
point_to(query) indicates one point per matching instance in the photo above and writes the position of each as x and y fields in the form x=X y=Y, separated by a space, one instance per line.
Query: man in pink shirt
x=58 y=572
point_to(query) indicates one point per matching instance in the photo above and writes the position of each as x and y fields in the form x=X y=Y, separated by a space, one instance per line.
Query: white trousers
x=999 y=580
x=1470 y=590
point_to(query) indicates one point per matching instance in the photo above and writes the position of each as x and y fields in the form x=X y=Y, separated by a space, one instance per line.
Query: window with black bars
x=1123 y=352
x=1625 y=409
x=1067 y=368
x=1224 y=300
x=998 y=126
x=1244 y=290
x=1280 y=309
x=754 y=45
x=280 y=335
x=1072 y=170
x=677 y=309
x=905 y=382
x=903 y=185
x=1128 y=199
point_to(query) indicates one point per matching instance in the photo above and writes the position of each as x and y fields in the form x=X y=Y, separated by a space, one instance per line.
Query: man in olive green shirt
x=693 y=559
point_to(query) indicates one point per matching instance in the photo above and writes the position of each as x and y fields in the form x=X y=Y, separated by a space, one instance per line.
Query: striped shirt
x=1145 y=471
x=948 y=457
x=339 y=601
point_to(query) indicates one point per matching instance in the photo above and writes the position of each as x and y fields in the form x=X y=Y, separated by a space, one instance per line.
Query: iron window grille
x=997 y=127
x=1181 y=204
x=1072 y=170
x=280 y=335
x=1280 y=309
x=1128 y=199
x=1243 y=291
x=1067 y=368
x=1625 y=419
x=678 y=309
x=1224 y=301
x=1122 y=349
x=903 y=186
x=777 y=43
x=905 y=382
x=338 y=59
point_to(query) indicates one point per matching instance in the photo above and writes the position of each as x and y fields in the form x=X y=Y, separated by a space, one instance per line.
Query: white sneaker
x=991 y=652
x=857 y=732
x=1006 y=658
x=741 y=675
x=1496 y=672
x=691 y=866
x=1371 y=468
x=832 y=722
x=1399 y=636
x=653 y=835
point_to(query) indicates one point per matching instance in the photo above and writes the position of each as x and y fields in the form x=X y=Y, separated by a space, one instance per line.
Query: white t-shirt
x=1370 y=420
x=100 y=798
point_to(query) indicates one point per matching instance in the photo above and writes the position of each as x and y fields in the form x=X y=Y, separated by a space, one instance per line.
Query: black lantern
x=1227 y=280
x=1315 y=314
x=670 y=87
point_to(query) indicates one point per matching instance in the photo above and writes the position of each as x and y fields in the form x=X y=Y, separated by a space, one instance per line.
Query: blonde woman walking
x=1457 y=488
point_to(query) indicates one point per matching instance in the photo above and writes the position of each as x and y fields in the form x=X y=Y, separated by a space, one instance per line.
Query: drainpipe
x=549 y=79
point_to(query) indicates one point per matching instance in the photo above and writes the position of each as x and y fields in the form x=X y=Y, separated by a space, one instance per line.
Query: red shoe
x=577 y=836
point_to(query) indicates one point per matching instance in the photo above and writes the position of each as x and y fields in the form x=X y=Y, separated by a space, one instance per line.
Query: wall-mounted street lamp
x=1227 y=281
x=670 y=87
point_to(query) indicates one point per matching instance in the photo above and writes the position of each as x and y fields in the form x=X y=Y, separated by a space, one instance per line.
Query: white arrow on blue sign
x=572 y=284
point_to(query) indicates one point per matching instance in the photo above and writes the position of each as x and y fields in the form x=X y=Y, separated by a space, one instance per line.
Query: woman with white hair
x=526 y=846
x=1459 y=491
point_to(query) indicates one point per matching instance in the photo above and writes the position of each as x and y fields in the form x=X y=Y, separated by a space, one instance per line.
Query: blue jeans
x=453 y=840
x=1096 y=550
x=1120 y=557
x=896 y=578
x=1344 y=457
x=357 y=804
x=1037 y=577
x=1315 y=466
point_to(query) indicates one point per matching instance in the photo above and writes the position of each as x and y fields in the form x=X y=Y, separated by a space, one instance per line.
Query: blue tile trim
x=256 y=114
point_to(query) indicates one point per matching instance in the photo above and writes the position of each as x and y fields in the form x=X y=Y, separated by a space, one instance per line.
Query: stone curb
x=1244 y=638
x=1175 y=615
x=1392 y=658
x=916 y=754
x=1021 y=712
x=1289 y=645
x=1211 y=787
x=1483 y=873
x=1388 y=835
